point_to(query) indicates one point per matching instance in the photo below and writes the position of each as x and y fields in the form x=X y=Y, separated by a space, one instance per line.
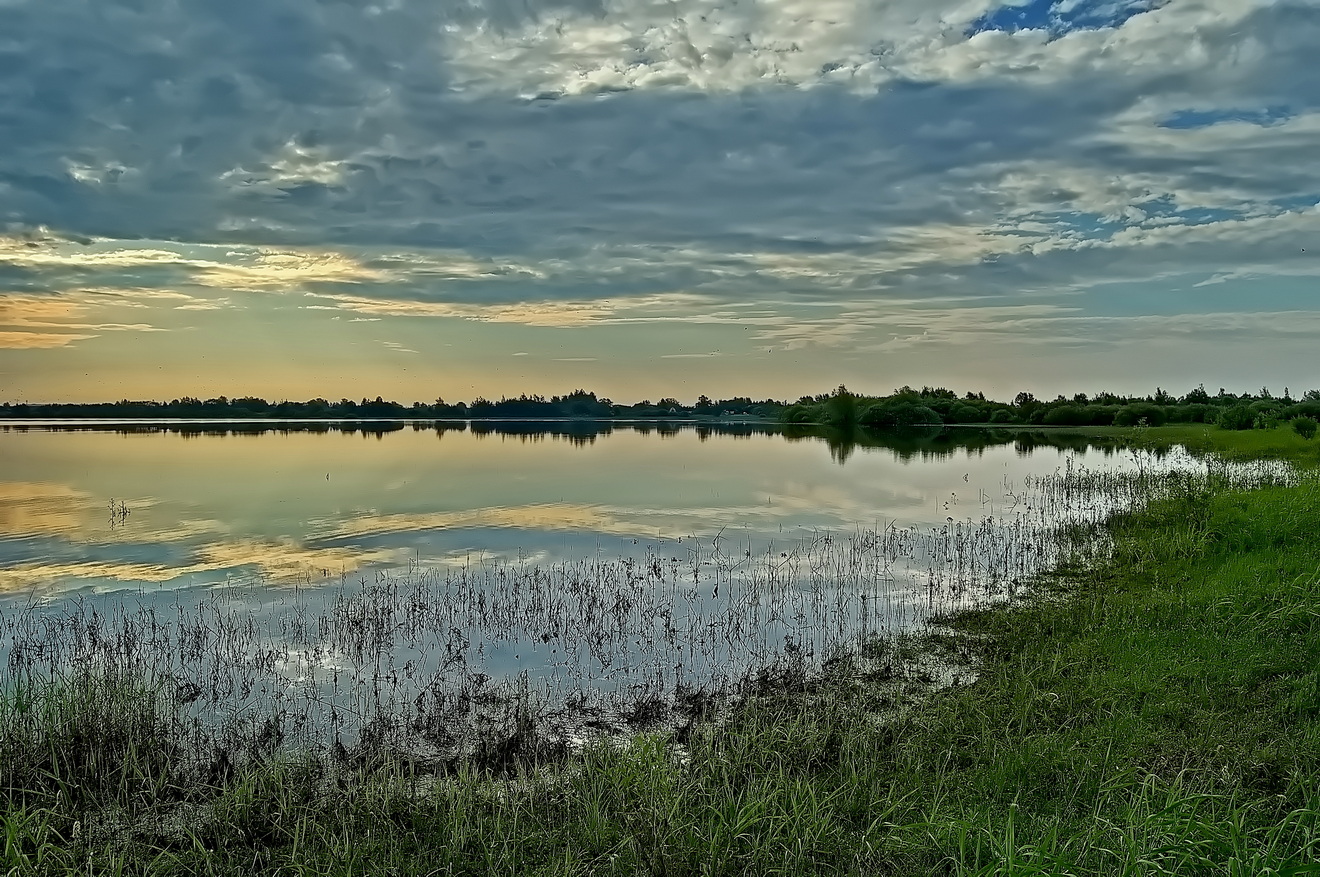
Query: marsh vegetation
x=1125 y=667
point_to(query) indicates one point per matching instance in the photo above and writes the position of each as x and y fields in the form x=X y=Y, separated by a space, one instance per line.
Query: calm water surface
x=331 y=575
x=99 y=510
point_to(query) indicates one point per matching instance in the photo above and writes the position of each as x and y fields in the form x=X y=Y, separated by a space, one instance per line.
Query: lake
x=359 y=569
x=191 y=506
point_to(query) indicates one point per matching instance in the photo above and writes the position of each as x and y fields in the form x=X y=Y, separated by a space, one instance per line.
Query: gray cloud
x=756 y=150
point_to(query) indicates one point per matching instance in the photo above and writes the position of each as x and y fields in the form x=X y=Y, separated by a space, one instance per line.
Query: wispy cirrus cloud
x=30 y=322
x=10 y=340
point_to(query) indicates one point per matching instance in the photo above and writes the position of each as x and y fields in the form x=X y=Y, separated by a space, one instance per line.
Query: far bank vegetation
x=939 y=406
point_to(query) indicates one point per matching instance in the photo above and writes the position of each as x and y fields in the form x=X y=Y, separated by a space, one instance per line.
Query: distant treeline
x=842 y=408
x=933 y=406
x=578 y=404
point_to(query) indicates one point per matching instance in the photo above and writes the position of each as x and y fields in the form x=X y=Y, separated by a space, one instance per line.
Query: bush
x=1266 y=406
x=962 y=413
x=1103 y=415
x=1238 y=417
x=1304 y=426
x=1067 y=415
x=1139 y=412
x=1079 y=415
x=841 y=409
x=1302 y=409
x=1003 y=415
x=1196 y=412
x=898 y=412
x=942 y=407
x=798 y=414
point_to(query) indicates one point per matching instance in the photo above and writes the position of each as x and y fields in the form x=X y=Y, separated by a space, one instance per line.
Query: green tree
x=1304 y=426
x=899 y=412
x=841 y=409
x=963 y=413
x=1237 y=417
x=1139 y=413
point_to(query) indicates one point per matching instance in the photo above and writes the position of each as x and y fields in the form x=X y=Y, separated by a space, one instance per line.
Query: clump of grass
x=90 y=740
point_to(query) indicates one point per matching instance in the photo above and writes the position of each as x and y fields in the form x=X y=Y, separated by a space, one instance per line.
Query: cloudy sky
x=422 y=198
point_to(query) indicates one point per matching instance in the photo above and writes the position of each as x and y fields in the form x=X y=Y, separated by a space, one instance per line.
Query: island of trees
x=904 y=407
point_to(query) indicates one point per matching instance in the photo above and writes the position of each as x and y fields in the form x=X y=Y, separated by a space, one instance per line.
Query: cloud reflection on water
x=112 y=510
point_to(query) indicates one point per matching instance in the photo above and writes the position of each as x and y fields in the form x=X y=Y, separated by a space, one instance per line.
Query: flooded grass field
x=450 y=659
x=756 y=698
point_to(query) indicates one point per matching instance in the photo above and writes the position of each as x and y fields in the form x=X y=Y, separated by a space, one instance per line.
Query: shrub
x=1067 y=415
x=1137 y=412
x=1196 y=412
x=1103 y=415
x=1303 y=409
x=962 y=413
x=898 y=412
x=1003 y=415
x=942 y=407
x=1266 y=406
x=798 y=414
x=1079 y=415
x=1237 y=417
x=841 y=409
x=1304 y=426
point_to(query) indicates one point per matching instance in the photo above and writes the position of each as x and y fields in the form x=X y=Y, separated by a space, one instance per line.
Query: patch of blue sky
x=1164 y=211
x=1060 y=16
x=1262 y=116
x=1195 y=293
x=1297 y=202
x=1158 y=211
x=1189 y=215
x=1092 y=226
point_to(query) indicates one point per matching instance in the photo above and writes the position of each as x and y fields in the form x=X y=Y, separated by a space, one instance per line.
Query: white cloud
x=703 y=45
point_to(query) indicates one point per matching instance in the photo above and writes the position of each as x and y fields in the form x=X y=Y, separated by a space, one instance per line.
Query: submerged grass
x=1281 y=443
x=1154 y=712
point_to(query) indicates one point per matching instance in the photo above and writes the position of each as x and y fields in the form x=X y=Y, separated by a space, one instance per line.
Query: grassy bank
x=1158 y=715
x=1281 y=443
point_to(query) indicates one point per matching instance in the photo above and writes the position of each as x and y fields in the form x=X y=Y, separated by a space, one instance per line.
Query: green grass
x=1280 y=443
x=1159 y=714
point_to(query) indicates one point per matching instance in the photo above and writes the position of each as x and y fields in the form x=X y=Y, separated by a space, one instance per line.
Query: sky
x=428 y=199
